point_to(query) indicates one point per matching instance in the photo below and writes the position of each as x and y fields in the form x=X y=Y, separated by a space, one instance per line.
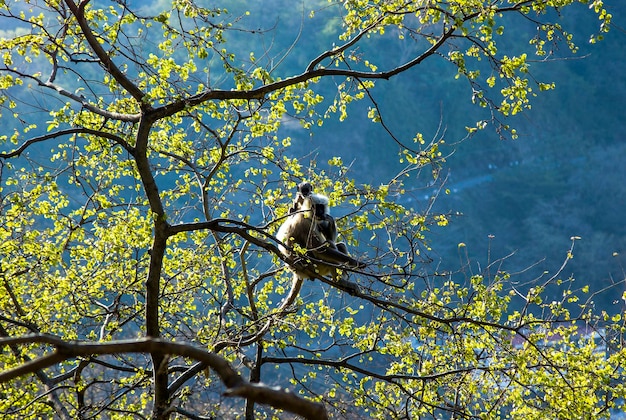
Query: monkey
x=310 y=226
x=326 y=223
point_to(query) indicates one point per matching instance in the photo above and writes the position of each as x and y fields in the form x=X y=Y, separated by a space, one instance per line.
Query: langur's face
x=305 y=189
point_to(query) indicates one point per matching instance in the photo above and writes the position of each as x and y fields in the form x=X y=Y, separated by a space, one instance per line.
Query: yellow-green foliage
x=144 y=171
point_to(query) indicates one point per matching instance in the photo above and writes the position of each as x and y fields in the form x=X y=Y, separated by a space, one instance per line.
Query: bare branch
x=393 y=378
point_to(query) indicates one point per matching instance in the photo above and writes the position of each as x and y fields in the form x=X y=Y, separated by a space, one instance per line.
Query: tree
x=146 y=168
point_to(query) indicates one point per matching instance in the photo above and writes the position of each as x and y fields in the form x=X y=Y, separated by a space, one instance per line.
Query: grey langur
x=310 y=226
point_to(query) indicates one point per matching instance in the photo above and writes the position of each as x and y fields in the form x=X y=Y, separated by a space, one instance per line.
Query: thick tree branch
x=32 y=366
x=153 y=280
x=236 y=386
x=243 y=229
x=48 y=384
x=262 y=91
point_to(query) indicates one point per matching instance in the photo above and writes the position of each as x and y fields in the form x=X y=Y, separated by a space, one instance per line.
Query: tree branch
x=48 y=84
x=242 y=229
x=262 y=91
x=61 y=133
x=105 y=59
x=236 y=386
x=343 y=364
